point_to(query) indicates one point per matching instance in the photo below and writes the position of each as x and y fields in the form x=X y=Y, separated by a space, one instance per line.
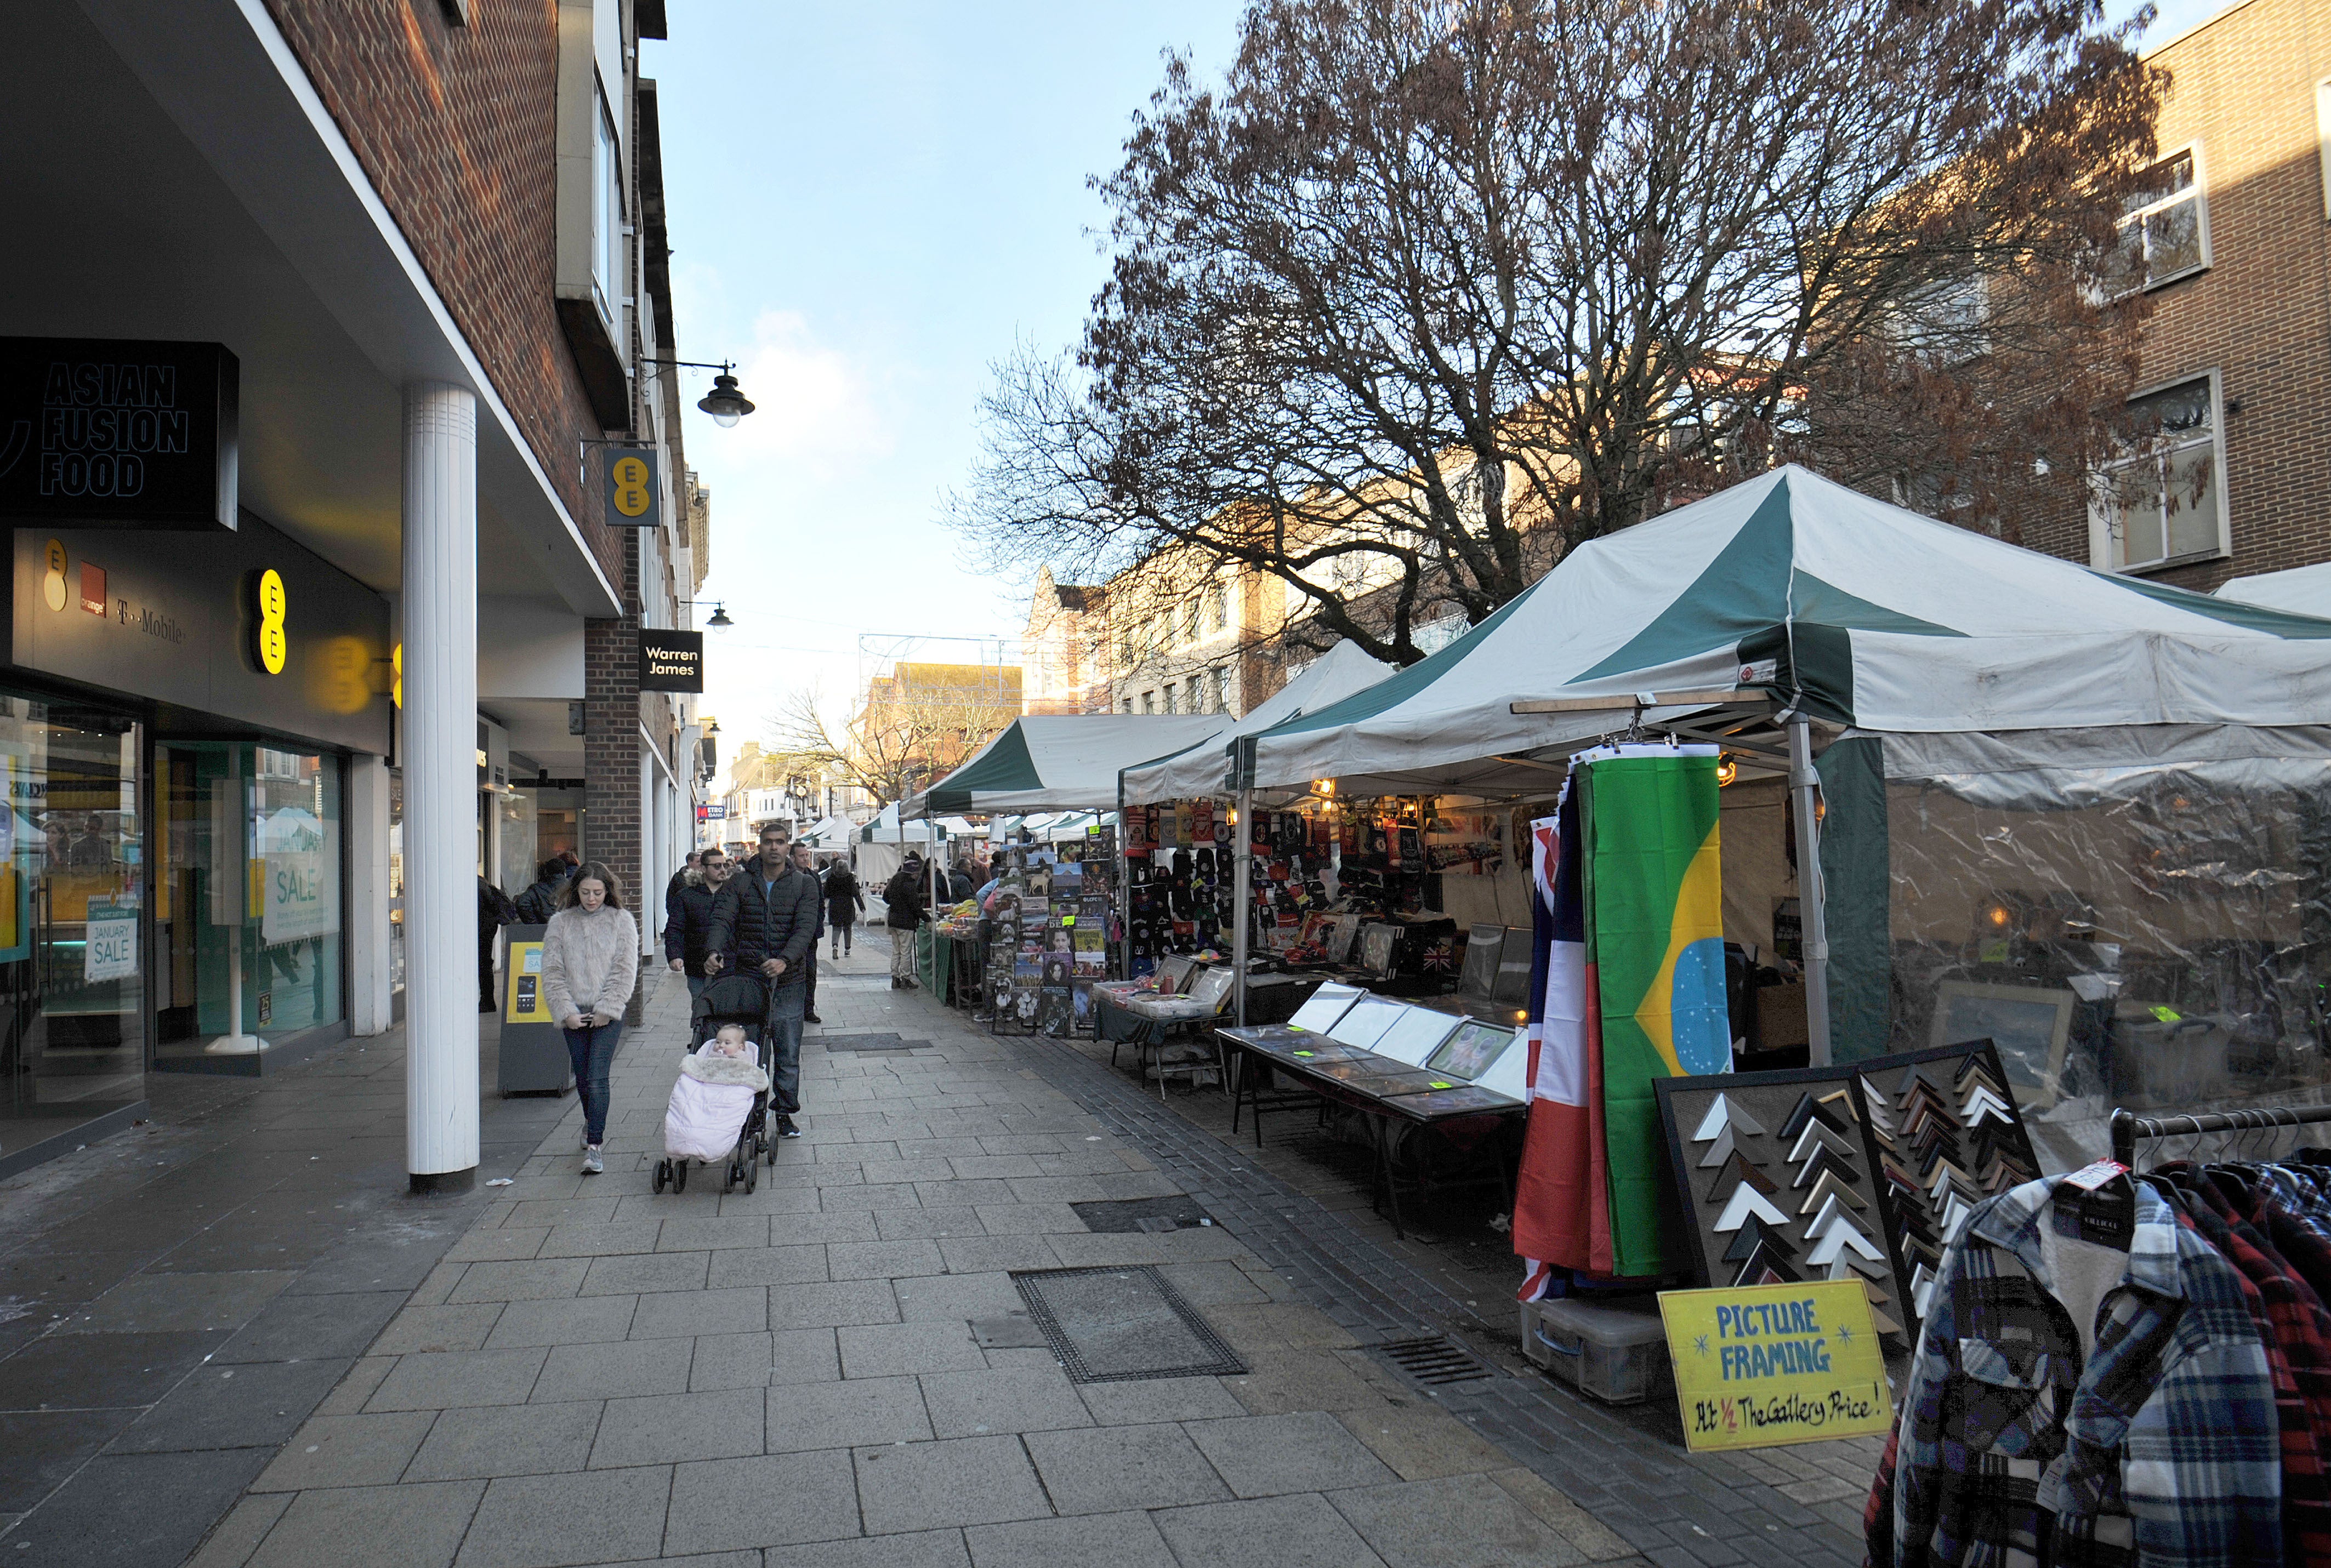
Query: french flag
x=1562 y=1212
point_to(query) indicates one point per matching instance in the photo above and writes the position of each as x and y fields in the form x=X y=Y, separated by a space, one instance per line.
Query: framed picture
x=2029 y=1025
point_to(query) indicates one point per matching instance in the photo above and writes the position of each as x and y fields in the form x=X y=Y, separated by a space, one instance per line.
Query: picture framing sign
x=1757 y=1366
x=629 y=475
x=670 y=661
x=98 y=433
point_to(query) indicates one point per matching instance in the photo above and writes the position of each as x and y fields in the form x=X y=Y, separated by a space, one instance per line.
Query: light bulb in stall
x=1726 y=770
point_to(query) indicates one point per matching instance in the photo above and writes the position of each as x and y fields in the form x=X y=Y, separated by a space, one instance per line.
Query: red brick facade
x=2244 y=89
x=454 y=126
x=612 y=758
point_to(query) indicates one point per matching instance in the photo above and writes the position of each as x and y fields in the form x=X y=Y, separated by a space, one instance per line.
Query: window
x=1129 y=705
x=1169 y=697
x=2165 y=501
x=1221 y=688
x=607 y=213
x=1149 y=702
x=1193 y=619
x=2165 y=230
x=1219 y=604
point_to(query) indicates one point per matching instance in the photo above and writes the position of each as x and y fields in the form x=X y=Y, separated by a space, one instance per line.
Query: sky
x=869 y=206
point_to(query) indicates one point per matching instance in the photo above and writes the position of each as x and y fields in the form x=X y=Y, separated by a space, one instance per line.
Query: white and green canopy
x=1199 y=769
x=1852 y=610
x=886 y=828
x=2303 y=590
x=1060 y=762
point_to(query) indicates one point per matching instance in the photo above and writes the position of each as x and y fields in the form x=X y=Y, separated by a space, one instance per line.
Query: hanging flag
x=1562 y=1215
x=1655 y=954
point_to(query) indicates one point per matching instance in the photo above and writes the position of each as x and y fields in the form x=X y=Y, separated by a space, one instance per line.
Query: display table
x=1394 y=1094
x=1149 y=1023
x=942 y=962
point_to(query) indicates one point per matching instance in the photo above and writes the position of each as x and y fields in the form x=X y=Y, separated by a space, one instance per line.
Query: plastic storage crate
x=1618 y=1353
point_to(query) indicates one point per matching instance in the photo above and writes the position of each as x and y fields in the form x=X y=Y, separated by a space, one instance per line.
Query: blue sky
x=870 y=206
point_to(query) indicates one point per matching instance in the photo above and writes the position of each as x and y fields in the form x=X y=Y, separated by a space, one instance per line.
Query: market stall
x=2077 y=813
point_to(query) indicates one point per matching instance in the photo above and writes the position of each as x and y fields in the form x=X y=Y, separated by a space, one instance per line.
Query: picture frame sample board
x=1860 y=1171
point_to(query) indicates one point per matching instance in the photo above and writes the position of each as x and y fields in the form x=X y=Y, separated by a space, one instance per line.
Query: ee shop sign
x=118 y=433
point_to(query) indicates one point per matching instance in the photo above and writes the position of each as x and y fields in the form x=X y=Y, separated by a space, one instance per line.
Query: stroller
x=736 y=999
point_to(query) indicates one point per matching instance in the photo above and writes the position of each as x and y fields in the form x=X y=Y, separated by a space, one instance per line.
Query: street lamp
x=719 y=621
x=724 y=403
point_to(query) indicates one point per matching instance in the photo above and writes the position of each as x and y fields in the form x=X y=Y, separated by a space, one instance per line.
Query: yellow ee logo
x=53 y=585
x=396 y=675
x=268 y=644
x=631 y=477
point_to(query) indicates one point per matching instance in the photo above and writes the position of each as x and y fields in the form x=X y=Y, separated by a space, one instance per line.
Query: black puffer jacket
x=906 y=895
x=749 y=926
x=688 y=922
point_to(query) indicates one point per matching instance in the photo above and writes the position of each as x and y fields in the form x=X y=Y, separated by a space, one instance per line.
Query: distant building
x=1065 y=651
x=921 y=720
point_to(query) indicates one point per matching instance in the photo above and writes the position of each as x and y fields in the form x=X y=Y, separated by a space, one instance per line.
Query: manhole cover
x=870 y=1042
x=1119 y=1325
x=1175 y=1214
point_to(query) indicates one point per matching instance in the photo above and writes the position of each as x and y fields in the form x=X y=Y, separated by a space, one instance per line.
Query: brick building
x=2233 y=249
x=404 y=263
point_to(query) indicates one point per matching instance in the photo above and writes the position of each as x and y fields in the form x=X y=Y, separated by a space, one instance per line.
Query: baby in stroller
x=719 y=1110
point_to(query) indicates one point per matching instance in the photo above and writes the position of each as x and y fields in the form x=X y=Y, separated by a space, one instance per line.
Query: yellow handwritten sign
x=1759 y=1365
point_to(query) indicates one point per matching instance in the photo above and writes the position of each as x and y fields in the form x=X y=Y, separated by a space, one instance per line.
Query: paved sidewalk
x=833 y=1371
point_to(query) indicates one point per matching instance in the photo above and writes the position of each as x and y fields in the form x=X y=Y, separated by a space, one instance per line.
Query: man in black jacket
x=764 y=918
x=539 y=902
x=688 y=927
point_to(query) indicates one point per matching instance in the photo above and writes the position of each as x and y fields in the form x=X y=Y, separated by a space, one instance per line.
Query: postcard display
x=1860 y=1171
x=1049 y=935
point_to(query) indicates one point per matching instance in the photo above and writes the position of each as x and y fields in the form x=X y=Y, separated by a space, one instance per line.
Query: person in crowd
x=959 y=884
x=845 y=901
x=904 y=894
x=539 y=902
x=573 y=862
x=590 y=966
x=806 y=863
x=764 y=918
x=695 y=859
x=495 y=911
x=687 y=925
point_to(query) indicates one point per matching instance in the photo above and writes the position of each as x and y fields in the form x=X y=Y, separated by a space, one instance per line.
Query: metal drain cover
x=1177 y=1213
x=1122 y=1324
x=1433 y=1361
x=870 y=1042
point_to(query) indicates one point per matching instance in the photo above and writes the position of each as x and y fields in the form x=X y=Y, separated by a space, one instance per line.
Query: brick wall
x=2243 y=85
x=610 y=755
x=454 y=128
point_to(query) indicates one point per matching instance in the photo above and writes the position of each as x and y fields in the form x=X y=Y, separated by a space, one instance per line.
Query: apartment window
x=1222 y=684
x=1193 y=620
x=1149 y=702
x=1129 y=705
x=607 y=210
x=1169 y=697
x=1219 y=606
x=2165 y=501
x=2164 y=228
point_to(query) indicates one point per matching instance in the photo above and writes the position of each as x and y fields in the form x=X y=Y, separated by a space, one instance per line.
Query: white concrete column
x=441 y=786
x=369 y=932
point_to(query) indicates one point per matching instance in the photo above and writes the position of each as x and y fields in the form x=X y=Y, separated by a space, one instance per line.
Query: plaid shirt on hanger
x=2010 y=1450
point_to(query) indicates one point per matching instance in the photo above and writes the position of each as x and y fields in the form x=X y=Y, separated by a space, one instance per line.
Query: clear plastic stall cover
x=2153 y=934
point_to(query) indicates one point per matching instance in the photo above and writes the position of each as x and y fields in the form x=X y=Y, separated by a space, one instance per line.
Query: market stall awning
x=1198 y=769
x=1060 y=762
x=830 y=833
x=1794 y=589
x=886 y=829
x=2303 y=590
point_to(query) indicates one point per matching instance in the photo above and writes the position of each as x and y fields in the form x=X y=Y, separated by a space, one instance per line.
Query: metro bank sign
x=118 y=433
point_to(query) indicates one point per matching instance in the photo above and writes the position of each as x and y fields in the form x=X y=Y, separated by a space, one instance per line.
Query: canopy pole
x=1804 y=785
x=1242 y=844
x=1123 y=899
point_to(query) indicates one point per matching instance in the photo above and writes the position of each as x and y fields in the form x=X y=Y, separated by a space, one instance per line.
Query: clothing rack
x=2127 y=1127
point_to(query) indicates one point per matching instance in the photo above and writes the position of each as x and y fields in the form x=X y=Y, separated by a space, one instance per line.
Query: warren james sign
x=670 y=661
x=118 y=433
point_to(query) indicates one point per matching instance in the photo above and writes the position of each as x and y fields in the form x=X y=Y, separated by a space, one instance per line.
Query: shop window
x=2164 y=228
x=2164 y=501
x=72 y=976
x=248 y=902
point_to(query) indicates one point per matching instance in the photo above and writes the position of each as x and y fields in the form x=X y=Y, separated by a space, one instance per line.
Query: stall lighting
x=1998 y=915
x=1726 y=770
x=1324 y=788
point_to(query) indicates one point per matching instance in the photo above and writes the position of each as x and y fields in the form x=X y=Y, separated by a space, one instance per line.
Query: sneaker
x=811 y=1018
x=786 y=1129
x=592 y=1166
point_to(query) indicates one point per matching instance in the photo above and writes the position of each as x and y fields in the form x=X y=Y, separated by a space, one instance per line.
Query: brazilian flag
x=1655 y=944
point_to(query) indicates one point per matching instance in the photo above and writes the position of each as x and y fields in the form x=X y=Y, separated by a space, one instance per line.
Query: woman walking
x=590 y=964
x=905 y=896
x=845 y=902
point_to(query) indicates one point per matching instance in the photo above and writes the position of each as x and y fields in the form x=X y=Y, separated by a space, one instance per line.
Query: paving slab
x=434 y=1328
x=976 y=1403
x=1307 y=1452
x=958 y=1481
x=506 y=1440
x=890 y=1349
x=776 y=1500
x=366 y=1451
x=1120 y=1540
x=416 y=1527
x=254 y=1404
x=597 y=1372
x=578 y=1320
x=549 y=1521
x=849 y=1414
x=1115 y=1469
x=467 y=1377
x=165 y=1303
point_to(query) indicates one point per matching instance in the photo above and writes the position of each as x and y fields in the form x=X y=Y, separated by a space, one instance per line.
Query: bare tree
x=1433 y=290
x=891 y=746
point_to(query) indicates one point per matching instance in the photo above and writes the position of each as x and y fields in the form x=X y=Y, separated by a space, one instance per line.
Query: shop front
x=178 y=721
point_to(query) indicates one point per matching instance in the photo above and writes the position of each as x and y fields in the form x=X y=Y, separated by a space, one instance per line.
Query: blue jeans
x=592 y=1051
x=786 y=1004
x=696 y=985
